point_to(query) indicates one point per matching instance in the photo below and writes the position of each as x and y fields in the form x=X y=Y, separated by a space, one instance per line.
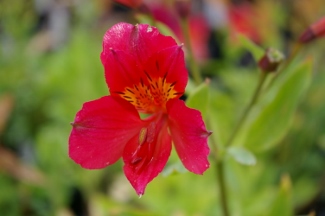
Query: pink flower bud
x=314 y=31
x=130 y=3
x=271 y=60
x=183 y=8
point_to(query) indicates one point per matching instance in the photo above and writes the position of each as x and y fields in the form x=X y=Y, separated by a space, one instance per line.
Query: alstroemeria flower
x=145 y=72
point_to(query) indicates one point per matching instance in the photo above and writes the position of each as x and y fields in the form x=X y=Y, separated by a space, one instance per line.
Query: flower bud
x=183 y=8
x=271 y=60
x=130 y=3
x=314 y=31
x=144 y=9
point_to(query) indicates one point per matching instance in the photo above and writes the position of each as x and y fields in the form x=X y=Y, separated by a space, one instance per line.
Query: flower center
x=152 y=97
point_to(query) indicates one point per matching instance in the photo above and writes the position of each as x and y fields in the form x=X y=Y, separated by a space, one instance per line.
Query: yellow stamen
x=150 y=98
x=142 y=135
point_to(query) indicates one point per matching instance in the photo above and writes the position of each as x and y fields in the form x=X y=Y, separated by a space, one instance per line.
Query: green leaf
x=173 y=169
x=163 y=28
x=253 y=48
x=282 y=204
x=271 y=117
x=216 y=108
x=221 y=116
x=242 y=155
x=144 y=18
x=199 y=99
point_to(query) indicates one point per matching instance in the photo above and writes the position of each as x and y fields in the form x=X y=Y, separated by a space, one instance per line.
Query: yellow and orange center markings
x=150 y=98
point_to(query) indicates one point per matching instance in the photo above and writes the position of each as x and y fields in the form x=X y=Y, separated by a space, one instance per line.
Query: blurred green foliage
x=285 y=170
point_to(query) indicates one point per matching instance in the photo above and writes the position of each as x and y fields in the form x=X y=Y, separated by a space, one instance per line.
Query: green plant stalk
x=220 y=162
x=220 y=177
x=253 y=100
x=194 y=68
x=222 y=187
x=256 y=94
x=217 y=156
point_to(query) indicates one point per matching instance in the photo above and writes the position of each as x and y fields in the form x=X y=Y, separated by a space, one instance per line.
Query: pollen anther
x=143 y=135
x=151 y=96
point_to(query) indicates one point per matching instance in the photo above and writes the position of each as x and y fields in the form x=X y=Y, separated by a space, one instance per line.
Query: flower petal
x=146 y=154
x=189 y=136
x=170 y=64
x=101 y=130
x=121 y=71
x=140 y=40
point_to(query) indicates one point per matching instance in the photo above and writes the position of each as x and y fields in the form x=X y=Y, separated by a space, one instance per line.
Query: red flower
x=130 y=3
x=242 y=19
x=146 y=73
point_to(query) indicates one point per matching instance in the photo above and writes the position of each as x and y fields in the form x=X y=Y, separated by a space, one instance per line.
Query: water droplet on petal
x=149 y=29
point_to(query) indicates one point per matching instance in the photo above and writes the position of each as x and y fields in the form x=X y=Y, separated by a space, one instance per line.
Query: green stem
x=218 y=158
x=248 y=108
x=220 y=162
x=194 y=68
x=222 y=188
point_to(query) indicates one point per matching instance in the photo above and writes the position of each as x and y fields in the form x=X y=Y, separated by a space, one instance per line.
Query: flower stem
x=220 y=162
x=258 y=90
x=222 y=187
x=194 y=68
x=248 y=108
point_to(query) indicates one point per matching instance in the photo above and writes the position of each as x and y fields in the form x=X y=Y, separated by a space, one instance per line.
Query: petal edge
x=189 y=136
x=101 y=130
x=145 y=160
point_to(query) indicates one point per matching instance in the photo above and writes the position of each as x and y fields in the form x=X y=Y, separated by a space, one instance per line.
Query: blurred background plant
x=50 y=65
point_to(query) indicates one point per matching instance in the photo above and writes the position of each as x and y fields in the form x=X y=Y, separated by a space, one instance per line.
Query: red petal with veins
x=140 y=40
x=146 y=154
x=101 y=130
x=122 y=70
x=169 y=63
x=189 y=136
